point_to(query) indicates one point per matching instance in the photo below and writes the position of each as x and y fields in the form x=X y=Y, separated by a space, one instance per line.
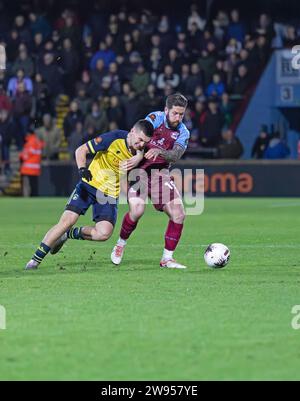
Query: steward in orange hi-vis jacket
x=31 y=157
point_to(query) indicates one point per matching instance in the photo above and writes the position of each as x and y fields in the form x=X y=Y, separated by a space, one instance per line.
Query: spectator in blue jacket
x=216 y=88
x=277 y=149
x=236 y=29
x=107 y=55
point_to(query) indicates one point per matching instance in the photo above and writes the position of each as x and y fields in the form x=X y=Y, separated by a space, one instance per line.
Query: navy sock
x=75 y=233
x=41 y=252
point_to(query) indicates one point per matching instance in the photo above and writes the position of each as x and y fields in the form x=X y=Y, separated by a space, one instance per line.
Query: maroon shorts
x=159 y=187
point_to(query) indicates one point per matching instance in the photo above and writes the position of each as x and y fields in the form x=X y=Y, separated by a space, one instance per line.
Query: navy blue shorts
x=84 y=195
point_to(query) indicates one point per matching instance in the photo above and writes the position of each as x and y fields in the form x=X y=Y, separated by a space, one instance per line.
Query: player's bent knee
x=103 y=231
x=137 y=210
x=177 y=214
x=138 y=213
x=68 y=219
x=179 y=218
x=106 y=236
x=101 y=236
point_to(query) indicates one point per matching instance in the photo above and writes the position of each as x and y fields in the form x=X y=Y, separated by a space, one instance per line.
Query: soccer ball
x=217 y=255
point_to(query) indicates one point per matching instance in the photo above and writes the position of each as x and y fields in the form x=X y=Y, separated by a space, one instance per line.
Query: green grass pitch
x=80 y=318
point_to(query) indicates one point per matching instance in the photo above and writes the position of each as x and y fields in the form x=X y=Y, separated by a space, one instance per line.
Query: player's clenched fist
x=85 y=173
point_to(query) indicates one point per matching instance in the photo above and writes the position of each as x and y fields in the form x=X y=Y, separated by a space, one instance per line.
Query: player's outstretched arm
x=80 y=156
x=170 y=156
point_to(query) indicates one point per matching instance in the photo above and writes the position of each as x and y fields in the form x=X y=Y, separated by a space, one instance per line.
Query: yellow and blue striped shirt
x=109 y=149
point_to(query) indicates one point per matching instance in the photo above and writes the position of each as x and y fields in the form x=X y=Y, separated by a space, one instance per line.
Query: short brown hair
x=145 y=126
x=176 y=99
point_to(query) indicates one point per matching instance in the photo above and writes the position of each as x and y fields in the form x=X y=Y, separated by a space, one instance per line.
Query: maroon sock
x=127 y=227
x=172 y=235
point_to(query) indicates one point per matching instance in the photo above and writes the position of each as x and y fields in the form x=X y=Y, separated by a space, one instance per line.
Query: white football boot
x=117 y=254
x=171 y=264
x=32 y=265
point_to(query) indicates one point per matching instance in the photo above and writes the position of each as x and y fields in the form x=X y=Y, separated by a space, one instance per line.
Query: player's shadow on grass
x=70 y=268
x=106 y=266
x=46 y=271
x=90 y=264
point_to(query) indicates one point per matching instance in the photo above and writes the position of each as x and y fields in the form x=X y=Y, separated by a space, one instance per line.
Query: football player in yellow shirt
x=99 y=187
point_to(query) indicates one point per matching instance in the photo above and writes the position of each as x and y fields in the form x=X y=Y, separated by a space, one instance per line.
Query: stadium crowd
x=113 y=69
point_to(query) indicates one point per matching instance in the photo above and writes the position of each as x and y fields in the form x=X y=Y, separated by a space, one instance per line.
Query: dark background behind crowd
x=76 y=69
